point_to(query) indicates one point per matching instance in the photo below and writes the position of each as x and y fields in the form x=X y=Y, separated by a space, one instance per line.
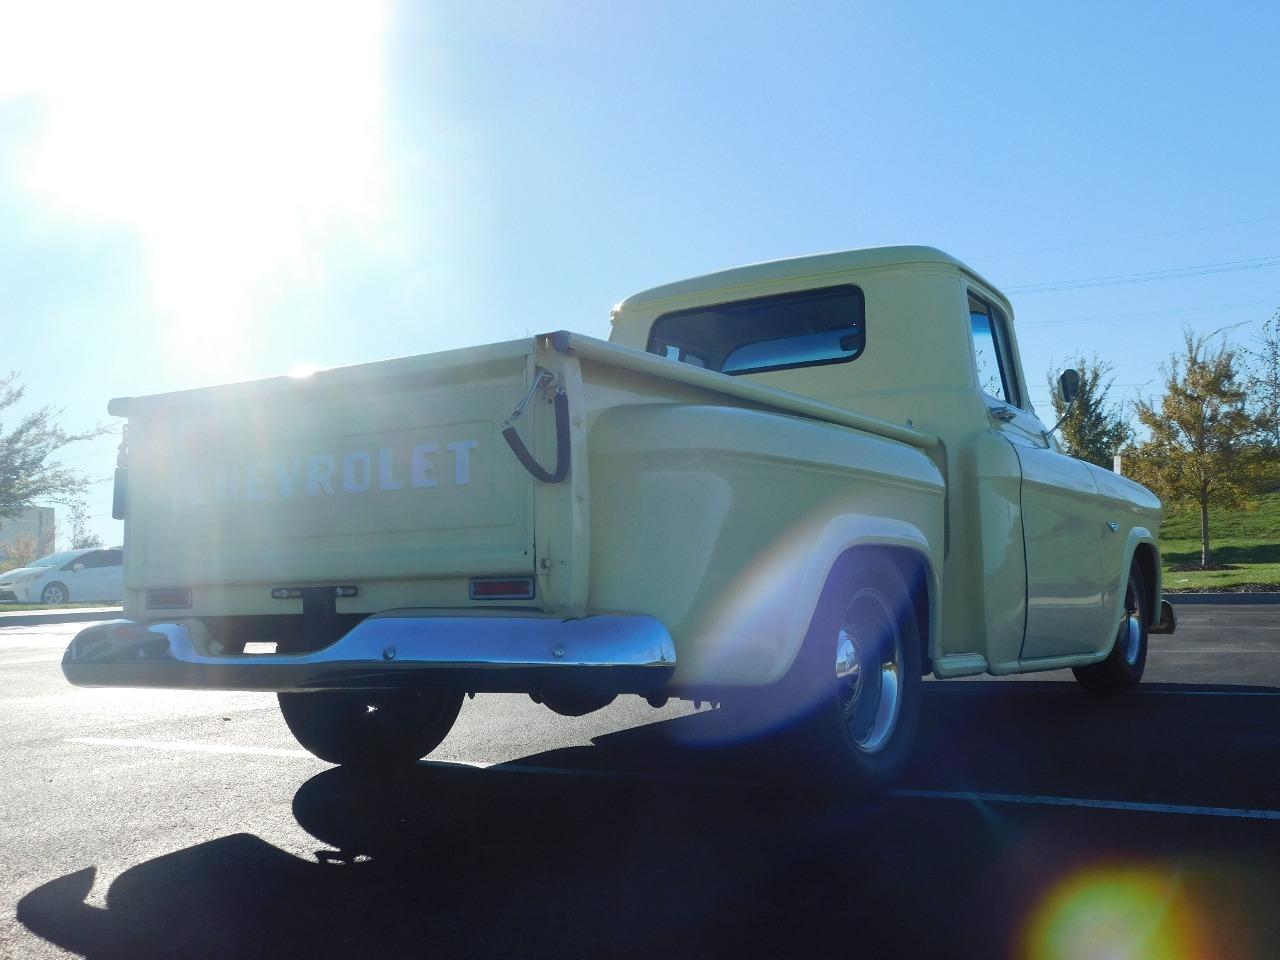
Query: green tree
x=1092 y=429
x=28 y=468
x=1262 y=377
x=1201 y=447
x=82 y=538
x=21 y=552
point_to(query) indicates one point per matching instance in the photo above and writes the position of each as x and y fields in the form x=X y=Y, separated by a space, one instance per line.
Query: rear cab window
x=779 y=332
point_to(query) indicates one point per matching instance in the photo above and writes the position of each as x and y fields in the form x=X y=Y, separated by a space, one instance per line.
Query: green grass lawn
x=1246 y=541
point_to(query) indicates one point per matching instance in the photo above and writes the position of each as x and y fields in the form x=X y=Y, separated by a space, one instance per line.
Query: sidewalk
x=26 y=618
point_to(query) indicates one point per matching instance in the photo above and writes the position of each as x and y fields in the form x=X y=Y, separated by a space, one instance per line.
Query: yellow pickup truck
x=795 y=488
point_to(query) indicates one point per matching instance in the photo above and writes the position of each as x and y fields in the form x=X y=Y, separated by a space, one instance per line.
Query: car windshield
x=56 y=559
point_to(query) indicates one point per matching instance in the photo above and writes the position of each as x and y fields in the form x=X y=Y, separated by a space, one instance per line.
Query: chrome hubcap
x=1131 y=635
x=869 y=670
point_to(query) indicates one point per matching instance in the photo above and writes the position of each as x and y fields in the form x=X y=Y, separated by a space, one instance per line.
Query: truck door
x=1060 y=536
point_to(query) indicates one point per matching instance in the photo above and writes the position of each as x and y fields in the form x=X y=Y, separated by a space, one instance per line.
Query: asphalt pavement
x=1037 y=820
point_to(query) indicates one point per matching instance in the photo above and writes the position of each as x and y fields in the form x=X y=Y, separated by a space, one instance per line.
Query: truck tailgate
x=390 y=470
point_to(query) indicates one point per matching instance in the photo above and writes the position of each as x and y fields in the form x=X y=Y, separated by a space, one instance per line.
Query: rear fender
x=845 y=534
x=781 y=591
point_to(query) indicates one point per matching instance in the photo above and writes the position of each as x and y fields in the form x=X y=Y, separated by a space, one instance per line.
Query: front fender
x=1137 y=537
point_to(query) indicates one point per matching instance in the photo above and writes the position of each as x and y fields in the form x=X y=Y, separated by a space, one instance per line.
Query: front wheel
x=863 y=685
x=54 y=593
x=377 y=729
x=1123 y=668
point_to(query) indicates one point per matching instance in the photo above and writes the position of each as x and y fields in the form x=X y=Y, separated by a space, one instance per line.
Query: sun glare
x=229 y=137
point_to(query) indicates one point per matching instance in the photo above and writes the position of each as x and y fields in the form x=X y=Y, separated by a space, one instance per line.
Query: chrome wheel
x=869 y=670
x=1129 y=639
x=1127 y=659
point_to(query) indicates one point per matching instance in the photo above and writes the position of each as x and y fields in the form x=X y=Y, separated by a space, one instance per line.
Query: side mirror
x=1068 y=385
x=77 y=567
x=1068 y=388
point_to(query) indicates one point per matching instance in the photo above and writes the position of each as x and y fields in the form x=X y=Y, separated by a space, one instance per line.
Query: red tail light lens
x=502 y=588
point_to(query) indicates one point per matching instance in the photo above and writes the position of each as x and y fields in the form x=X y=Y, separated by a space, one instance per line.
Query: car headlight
x=28 y=577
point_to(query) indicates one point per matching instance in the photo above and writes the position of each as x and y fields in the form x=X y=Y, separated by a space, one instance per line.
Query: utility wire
x=1200 y=270
x=1148 y=314
x=1136 y=236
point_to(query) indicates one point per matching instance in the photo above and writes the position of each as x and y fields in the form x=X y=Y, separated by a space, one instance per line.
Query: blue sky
x=200 y=193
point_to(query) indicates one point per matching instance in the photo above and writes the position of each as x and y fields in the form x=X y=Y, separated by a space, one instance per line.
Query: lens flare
x=1118 y=912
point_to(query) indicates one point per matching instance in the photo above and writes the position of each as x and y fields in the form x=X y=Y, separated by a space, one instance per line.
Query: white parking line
x=1212 y=651
x=1208 y=693
x=188 y=746
x=1088 y=803
x=1063 y=686
x=191 y=746
x=184 y=746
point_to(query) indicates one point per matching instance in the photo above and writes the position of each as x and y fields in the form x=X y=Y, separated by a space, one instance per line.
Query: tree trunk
x=1204 y=532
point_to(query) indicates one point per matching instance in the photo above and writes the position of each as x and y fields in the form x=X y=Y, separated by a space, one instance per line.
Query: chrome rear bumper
x=607 y=653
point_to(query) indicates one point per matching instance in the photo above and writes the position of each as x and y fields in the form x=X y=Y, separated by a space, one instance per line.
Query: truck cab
x=1034 y=538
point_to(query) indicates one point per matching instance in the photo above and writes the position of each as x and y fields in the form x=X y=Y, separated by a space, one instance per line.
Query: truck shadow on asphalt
x=651 y=842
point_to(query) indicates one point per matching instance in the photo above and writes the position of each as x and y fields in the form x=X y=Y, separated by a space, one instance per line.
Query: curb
x=1224 y=599
x=30 y=618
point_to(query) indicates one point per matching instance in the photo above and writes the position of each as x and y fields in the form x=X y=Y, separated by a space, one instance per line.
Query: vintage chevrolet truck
x=795 y=488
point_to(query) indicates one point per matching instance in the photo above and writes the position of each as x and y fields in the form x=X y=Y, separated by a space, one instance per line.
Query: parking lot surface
x=1036 y=821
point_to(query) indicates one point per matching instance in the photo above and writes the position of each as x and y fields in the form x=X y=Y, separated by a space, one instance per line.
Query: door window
x=991 y=351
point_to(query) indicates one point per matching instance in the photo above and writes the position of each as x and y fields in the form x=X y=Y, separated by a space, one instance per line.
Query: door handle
x=1003 y=414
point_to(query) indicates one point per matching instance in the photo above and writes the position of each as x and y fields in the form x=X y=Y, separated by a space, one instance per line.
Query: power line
x=1148 y=314
x=1200 y=270
x=1136 y=236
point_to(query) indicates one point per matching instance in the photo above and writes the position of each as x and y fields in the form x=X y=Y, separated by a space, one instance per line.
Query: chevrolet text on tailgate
x=793 y=488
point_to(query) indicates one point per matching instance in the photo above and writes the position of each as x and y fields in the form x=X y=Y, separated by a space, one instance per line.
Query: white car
x=71 y=576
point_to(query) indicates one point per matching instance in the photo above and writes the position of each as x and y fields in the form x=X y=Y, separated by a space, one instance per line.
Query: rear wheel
x=1123 y=668
x=377 y=729
x=861 y=695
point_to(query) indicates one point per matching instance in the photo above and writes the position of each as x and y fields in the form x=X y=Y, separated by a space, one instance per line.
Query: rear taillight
x=502 y=588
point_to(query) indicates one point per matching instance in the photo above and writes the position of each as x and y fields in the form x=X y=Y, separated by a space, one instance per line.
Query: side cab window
x=991 y=352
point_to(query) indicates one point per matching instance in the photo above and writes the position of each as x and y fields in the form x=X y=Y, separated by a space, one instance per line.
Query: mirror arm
x=1066 y=412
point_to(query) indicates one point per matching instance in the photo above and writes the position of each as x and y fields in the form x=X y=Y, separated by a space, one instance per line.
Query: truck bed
x=392 y=481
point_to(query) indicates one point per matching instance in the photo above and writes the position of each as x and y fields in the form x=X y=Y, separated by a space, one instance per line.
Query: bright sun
x=229 y=137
